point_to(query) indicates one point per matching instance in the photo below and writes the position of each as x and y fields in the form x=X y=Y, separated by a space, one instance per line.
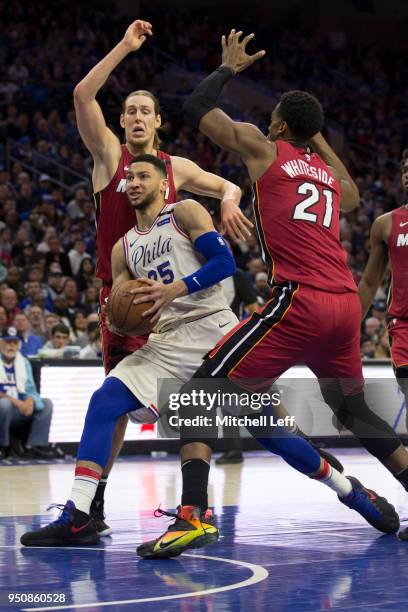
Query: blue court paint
x=316 y=559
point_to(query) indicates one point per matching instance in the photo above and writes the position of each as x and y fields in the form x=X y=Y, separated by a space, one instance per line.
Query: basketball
x=126 y=316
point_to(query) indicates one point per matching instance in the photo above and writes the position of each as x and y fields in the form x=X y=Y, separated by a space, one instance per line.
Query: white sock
x=334 y=480
x=84 y=488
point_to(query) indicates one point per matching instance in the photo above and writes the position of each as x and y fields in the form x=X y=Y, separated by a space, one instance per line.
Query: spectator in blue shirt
x=30 y=343
x=20 y=401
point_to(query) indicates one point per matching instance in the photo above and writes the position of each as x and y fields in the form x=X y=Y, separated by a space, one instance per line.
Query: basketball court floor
x=287 y=544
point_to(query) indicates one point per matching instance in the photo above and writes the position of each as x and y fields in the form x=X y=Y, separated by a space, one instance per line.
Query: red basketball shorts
x=297 y=325
x=114 y=347
x=398 y=332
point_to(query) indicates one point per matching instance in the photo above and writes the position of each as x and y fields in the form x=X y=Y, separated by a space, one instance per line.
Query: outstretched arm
x=376 y=266
x=98 y=138
x=201 y=108
x=196 y=180
x=350 y=194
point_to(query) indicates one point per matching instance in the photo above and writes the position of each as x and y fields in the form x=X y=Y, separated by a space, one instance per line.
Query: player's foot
x=191 y=529
x=98 y=515
x=230 y=457
x=72 y=527
x=376 y=510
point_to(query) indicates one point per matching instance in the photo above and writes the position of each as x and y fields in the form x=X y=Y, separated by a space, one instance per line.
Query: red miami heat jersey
x=398 y=252
x=115 y=216
x=297 y=209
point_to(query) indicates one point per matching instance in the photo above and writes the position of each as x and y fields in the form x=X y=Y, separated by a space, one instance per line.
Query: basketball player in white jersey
x=140 y=120
x=177 y=250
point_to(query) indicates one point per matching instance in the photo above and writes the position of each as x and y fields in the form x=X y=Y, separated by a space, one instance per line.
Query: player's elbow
x=228 y=266
x=195 y=108
x=80 y=94
x=189 y=110
x=351 y=198
x=355 y=196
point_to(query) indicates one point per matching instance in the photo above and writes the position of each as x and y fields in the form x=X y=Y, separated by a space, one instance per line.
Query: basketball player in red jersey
x=313 y=316
x=140 y=120
x=389 y=242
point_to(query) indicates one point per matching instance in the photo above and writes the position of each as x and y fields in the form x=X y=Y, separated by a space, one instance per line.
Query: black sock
x=195 y=482
x=100 y=490
x=402 y=477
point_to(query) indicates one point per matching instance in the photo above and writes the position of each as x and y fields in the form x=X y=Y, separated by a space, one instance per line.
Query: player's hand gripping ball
x=126 y=316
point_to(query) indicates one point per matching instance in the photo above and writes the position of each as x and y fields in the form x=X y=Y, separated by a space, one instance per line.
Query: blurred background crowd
x=48 y=286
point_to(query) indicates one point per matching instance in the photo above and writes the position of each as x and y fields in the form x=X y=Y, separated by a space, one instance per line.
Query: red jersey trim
x=126 y=250
x=261 y=234
x=281 y=317
x=176 y=226
x=145 y=232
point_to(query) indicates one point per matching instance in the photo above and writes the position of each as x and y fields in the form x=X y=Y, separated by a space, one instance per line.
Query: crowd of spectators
x=48 y=287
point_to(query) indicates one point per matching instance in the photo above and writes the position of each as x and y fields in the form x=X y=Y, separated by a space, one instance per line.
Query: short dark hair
x=404 y=158
x=60 y=328
x=302 y=112
x=151 y=159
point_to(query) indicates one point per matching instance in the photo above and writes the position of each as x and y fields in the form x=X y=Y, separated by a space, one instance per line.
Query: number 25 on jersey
x=162 y=273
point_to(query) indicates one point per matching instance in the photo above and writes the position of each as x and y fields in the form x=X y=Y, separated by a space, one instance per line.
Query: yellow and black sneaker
x=191 y=529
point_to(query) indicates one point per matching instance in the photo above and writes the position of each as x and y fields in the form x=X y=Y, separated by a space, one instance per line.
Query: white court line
x=259 y=573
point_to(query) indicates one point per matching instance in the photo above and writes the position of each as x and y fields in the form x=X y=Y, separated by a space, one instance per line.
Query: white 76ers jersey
x=165 y=253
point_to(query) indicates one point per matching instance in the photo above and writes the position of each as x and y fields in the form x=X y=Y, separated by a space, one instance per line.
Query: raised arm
x=201 y=109
x=376 y=266
x=350 y=194
x=98 y=138
x=194 y=179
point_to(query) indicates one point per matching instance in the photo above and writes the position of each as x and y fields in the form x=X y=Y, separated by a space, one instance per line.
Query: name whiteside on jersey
x=297 y=167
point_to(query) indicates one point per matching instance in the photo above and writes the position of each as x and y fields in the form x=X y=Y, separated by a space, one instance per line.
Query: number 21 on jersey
x=303 y=210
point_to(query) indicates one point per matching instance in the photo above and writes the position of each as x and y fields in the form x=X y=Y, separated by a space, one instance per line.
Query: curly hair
x=302 y=112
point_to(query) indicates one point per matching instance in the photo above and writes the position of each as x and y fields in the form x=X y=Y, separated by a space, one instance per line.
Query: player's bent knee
x=375 y=434
x=111 y=401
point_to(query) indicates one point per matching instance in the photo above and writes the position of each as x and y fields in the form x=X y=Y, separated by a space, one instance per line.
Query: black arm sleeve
x=204 y=97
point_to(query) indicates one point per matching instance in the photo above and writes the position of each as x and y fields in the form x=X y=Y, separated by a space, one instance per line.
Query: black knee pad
x=375 y=434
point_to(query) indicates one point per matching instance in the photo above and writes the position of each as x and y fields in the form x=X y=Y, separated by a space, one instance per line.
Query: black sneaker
x=98 y=515
x=3 y=452
x=65 y=531
x=230 y=457
x=16 y=447
x=375 y=509
x=41 y=452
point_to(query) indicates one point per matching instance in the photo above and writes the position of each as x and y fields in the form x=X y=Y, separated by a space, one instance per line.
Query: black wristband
x=204 y=97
